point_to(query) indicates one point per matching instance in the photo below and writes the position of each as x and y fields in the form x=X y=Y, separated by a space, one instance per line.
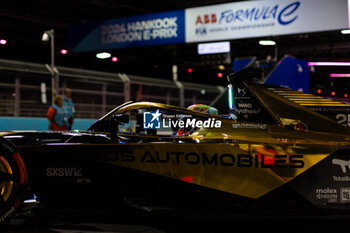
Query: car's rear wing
x=256 y=102
x=333 y=109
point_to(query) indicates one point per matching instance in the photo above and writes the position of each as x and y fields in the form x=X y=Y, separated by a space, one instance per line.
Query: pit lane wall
x=39 y=124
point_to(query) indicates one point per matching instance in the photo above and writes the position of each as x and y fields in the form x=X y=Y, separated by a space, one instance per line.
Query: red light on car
x=319 y=91
x=333 y=93
x=346 y=95
x=189 y=70
x=300 y=126
x=114 y=59
x=64 y=51
x=187 y=179
x=219 y=75
x=3 y=42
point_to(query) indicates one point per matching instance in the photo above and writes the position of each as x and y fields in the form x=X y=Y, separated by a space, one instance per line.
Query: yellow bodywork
x=232 y=139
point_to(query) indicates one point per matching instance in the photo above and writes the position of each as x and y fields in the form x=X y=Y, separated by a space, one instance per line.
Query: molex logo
x=151 y=120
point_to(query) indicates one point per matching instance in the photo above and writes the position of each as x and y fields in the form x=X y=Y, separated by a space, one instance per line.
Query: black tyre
x=13 y=178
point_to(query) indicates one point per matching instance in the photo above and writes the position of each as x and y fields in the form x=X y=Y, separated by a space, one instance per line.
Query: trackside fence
x=26 y=90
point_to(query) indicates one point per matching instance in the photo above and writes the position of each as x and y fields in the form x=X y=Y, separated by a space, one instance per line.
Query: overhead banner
x=250 y=19
x=143 y=30
x=226 y=21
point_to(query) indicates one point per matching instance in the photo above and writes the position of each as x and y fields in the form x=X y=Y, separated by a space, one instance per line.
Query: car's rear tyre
x=13 y=178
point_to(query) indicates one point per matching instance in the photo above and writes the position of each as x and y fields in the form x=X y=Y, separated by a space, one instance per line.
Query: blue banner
x=291 y=73
x=242 y=62
x=142 y=30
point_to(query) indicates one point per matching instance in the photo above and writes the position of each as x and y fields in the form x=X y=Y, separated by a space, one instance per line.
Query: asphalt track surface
x=53 y=221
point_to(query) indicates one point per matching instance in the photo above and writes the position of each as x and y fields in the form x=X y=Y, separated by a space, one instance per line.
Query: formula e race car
x=275 y=156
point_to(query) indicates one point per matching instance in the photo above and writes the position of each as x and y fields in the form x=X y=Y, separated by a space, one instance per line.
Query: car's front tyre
x=13 y=178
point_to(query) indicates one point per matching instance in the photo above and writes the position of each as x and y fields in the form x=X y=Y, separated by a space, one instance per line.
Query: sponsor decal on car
x=248 y=126
x=345 y=195
x=342 y=163
x=207 y=159
x=64 y=171
x=328 y=195
x=341 y=178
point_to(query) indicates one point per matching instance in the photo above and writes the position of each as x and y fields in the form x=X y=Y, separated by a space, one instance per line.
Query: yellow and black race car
x=268 y=155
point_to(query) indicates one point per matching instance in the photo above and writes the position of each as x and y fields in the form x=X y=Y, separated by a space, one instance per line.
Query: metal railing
x=94 y=93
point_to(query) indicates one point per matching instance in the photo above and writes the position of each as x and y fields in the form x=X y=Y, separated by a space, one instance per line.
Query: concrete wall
x=40 y=124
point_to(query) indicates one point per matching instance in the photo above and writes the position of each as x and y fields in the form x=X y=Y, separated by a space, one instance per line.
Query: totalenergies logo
x=283 y=14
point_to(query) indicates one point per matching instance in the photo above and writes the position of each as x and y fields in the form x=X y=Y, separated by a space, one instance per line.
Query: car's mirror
x=115 y=121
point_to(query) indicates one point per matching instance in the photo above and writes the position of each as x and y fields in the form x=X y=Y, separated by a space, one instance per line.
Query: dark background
x=22 y=24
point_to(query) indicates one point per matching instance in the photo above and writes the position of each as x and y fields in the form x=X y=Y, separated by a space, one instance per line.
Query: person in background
x=68 y=107
x=58 y=118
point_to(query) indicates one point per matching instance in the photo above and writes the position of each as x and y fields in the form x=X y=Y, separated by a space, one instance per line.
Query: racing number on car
x=343 y=119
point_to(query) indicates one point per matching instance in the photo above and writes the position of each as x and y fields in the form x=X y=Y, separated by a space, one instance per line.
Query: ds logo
x=151 y=120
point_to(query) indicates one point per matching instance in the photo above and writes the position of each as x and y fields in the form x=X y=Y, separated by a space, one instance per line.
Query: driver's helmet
x=204 y=109
x=198 y=108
